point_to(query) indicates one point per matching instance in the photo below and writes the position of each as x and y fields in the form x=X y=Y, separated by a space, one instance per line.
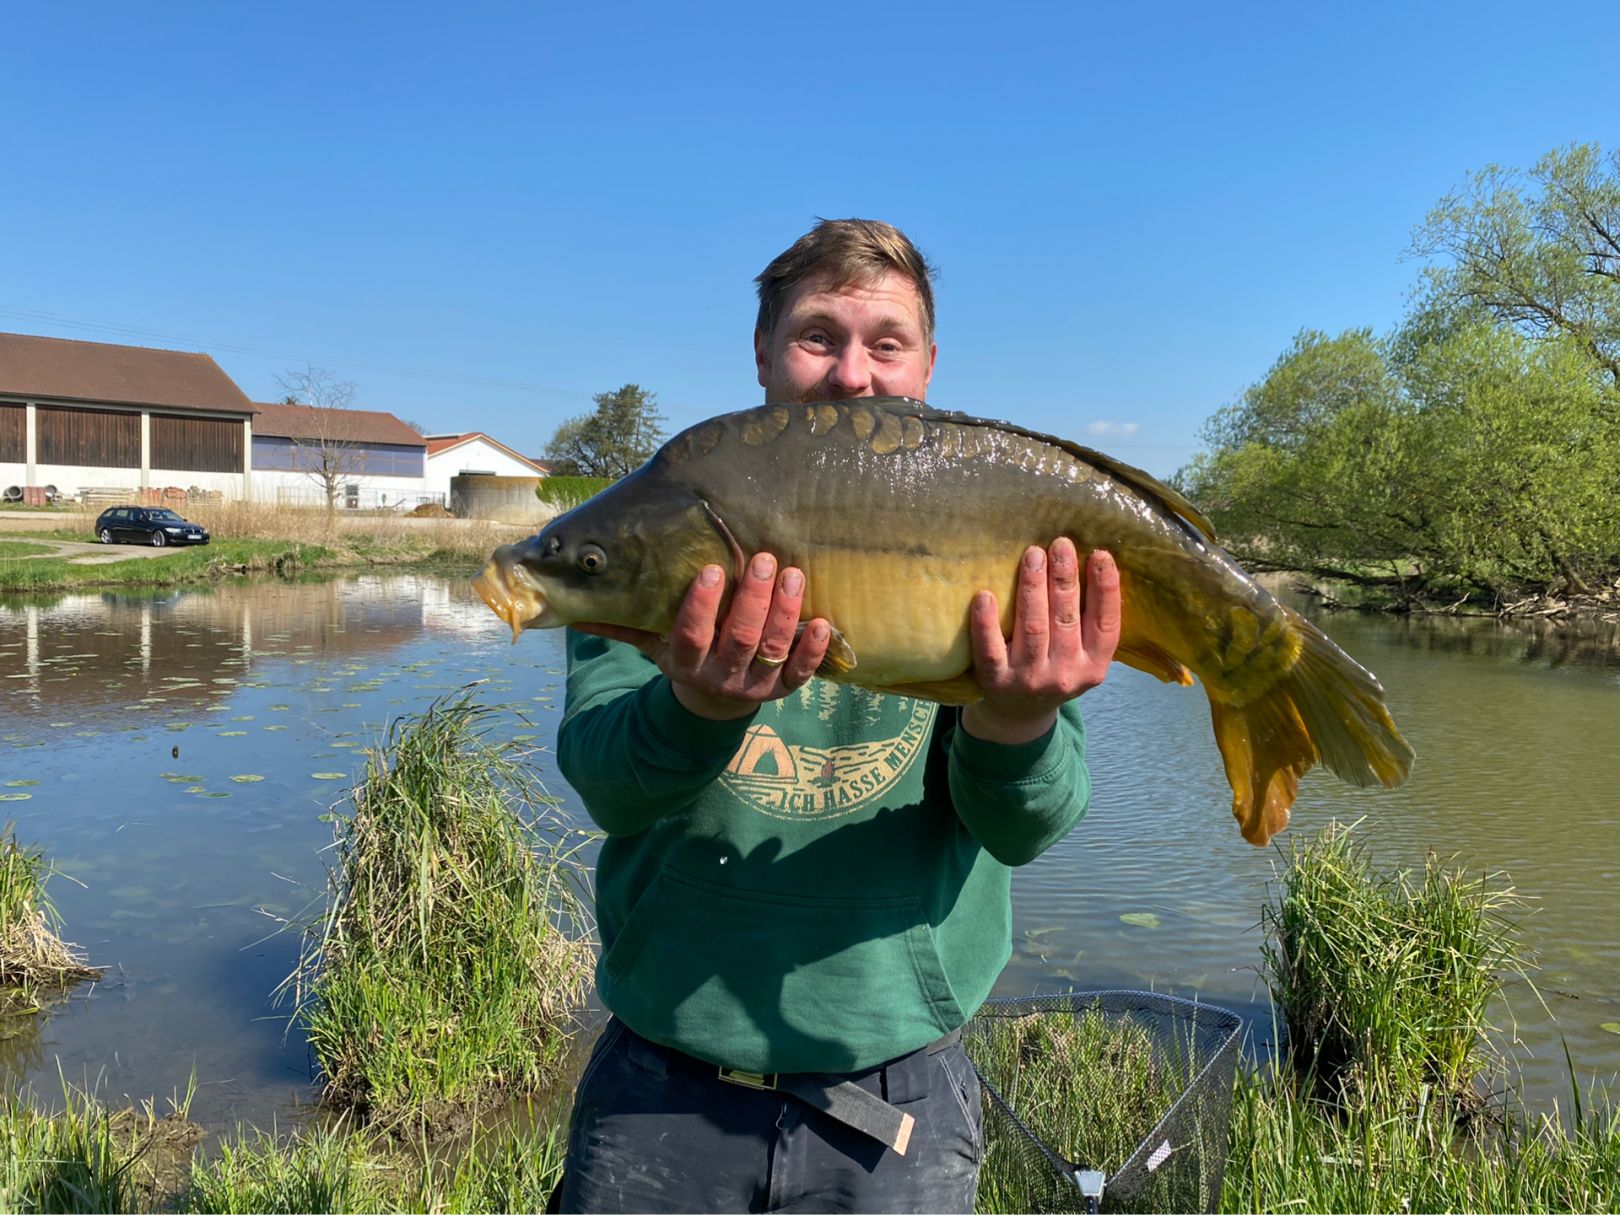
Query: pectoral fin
x=840 y=658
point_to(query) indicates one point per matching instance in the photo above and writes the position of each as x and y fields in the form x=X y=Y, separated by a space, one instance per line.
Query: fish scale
x=899 y=514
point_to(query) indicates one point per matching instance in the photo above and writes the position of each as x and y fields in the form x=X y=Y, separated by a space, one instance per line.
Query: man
x=804 y=889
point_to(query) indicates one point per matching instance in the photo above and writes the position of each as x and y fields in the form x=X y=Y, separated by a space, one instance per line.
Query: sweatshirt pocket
x=774 y=982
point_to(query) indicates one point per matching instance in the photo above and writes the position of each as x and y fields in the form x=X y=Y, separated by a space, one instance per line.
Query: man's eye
x=890 y=348
x=816 y=339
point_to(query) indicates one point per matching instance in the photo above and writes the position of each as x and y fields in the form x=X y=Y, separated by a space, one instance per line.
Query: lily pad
x=275 y=727
x=20 y=784
x=1141 y=919
x=330 y=775
x=247 y=778
x=1612 y=1027
x=16 y=797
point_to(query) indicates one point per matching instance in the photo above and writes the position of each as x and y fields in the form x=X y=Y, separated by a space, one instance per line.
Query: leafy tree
x=621 y=435
x=1539 y=252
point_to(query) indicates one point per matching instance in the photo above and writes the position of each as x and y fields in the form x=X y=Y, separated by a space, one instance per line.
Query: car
x=154 y=525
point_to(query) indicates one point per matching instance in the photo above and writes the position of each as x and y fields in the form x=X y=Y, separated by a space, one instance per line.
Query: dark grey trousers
x=655 y=1130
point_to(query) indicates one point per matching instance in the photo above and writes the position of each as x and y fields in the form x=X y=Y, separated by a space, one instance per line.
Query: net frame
x=1178 y=1157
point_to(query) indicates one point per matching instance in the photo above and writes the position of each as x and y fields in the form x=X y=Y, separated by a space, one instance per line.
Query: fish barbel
x=899 y=513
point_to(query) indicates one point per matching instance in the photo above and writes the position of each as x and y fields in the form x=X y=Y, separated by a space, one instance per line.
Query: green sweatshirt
x=818 y=887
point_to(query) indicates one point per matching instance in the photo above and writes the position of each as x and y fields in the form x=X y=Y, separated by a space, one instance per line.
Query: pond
x=174 y=755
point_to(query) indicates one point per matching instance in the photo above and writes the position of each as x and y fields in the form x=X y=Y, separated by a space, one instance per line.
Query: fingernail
x=763 y=567
x=1034 y=557
x=818 y=631
x=710 y=575
x=984 y=601
x=792 y=582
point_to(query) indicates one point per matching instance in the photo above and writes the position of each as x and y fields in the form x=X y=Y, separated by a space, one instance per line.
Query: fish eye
x=592 y=559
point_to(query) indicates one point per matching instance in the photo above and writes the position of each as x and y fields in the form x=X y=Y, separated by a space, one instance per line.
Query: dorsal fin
x=1143 y=483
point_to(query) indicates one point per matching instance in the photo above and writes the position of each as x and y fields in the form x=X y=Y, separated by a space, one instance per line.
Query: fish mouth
x=511 y=594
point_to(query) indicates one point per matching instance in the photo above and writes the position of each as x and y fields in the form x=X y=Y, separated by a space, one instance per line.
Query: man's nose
x=852 y=372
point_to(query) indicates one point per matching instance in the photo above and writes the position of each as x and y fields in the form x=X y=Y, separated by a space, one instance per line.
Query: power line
x=416 y=373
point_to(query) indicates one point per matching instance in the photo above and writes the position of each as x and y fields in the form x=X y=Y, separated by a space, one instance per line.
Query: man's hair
x=846 y=251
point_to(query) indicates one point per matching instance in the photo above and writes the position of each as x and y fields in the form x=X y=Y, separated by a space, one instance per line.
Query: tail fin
x=1326 y=707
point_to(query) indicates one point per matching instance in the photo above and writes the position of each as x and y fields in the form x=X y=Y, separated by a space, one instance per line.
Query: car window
x=162 y=516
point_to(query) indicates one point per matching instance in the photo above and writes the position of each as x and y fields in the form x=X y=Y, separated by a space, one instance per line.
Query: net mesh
x=1131 y=1084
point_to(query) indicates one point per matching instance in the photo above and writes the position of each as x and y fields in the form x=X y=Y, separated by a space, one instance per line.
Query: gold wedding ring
x=769 y=662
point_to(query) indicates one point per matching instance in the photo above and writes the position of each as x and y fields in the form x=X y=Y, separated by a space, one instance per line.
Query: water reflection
x=175 y=752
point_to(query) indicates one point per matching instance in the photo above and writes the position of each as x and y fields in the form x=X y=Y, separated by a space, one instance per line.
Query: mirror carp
x=899 y=513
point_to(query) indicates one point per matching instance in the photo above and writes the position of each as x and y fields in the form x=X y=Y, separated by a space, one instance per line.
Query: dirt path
x=93 y=554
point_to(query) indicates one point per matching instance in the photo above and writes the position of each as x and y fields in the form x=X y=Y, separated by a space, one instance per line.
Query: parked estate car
x=154 y=525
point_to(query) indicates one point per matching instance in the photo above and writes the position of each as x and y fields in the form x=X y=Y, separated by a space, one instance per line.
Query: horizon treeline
x=1473 y=451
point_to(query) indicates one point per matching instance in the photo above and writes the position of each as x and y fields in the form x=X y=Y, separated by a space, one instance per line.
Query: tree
x=1539 y=252
x=324 y=444
x=620 y=436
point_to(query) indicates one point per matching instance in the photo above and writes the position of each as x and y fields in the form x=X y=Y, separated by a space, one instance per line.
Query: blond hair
x=846 y=251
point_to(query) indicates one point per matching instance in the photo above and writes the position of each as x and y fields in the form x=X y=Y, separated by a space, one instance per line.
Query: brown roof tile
x=65 y=369
x=340 y=425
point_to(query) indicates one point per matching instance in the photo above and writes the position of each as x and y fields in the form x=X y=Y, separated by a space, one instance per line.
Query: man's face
x=858 y=340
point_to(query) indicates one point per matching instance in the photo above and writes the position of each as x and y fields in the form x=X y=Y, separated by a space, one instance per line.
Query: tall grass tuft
x=451 y=958
x=1384 y=981
x=334 y=1169
x=89 y=1157
x=33 y=956
x=1293 y=1151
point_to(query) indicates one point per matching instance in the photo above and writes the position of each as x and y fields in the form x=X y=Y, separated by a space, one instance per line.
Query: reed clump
x=1385 y=980
x=33 y=956
x=452 y=956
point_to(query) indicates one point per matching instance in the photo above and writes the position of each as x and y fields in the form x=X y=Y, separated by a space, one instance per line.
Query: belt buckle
x=765 y=1082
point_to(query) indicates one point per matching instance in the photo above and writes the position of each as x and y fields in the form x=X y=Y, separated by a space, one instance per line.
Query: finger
x=806 y=657
x=782 y=621
x=745 y=622
x=692 y=635
x=1063 y=592
x=1101 y=623
x=1032 y=627
x=984 y=633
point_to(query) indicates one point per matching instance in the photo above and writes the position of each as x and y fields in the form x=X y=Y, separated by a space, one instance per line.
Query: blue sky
x=484 y=213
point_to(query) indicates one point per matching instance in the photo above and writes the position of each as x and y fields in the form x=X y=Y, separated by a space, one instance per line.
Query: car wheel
x=157 y=540
x=106 y=535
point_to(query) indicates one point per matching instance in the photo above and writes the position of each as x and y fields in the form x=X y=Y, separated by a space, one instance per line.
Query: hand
x=726 y=669
x=1056 y=652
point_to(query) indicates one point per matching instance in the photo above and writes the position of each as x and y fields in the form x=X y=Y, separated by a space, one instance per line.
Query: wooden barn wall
x=101 y=438
x=196 y=444
x=14 y=434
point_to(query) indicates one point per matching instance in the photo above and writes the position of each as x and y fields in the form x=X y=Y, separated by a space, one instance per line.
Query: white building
x=375 y=459
x=474 y=452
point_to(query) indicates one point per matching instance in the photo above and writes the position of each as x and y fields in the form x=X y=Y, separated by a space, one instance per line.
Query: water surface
x=270 y=692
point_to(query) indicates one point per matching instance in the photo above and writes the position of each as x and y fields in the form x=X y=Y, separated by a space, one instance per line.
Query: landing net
x=1110 y=1100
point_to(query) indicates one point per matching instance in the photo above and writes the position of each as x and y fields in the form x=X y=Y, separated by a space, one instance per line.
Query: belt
x=836 y=1096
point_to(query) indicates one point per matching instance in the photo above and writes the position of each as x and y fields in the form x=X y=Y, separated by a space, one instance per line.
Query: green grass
x=89 y=1157
x=450 y=962
x=33 y=956
x=23 y=548
x=1387 y=979
x=199 y=564
x=1293 y=1152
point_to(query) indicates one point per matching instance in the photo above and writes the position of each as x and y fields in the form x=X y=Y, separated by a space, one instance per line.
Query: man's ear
x=762 y=359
